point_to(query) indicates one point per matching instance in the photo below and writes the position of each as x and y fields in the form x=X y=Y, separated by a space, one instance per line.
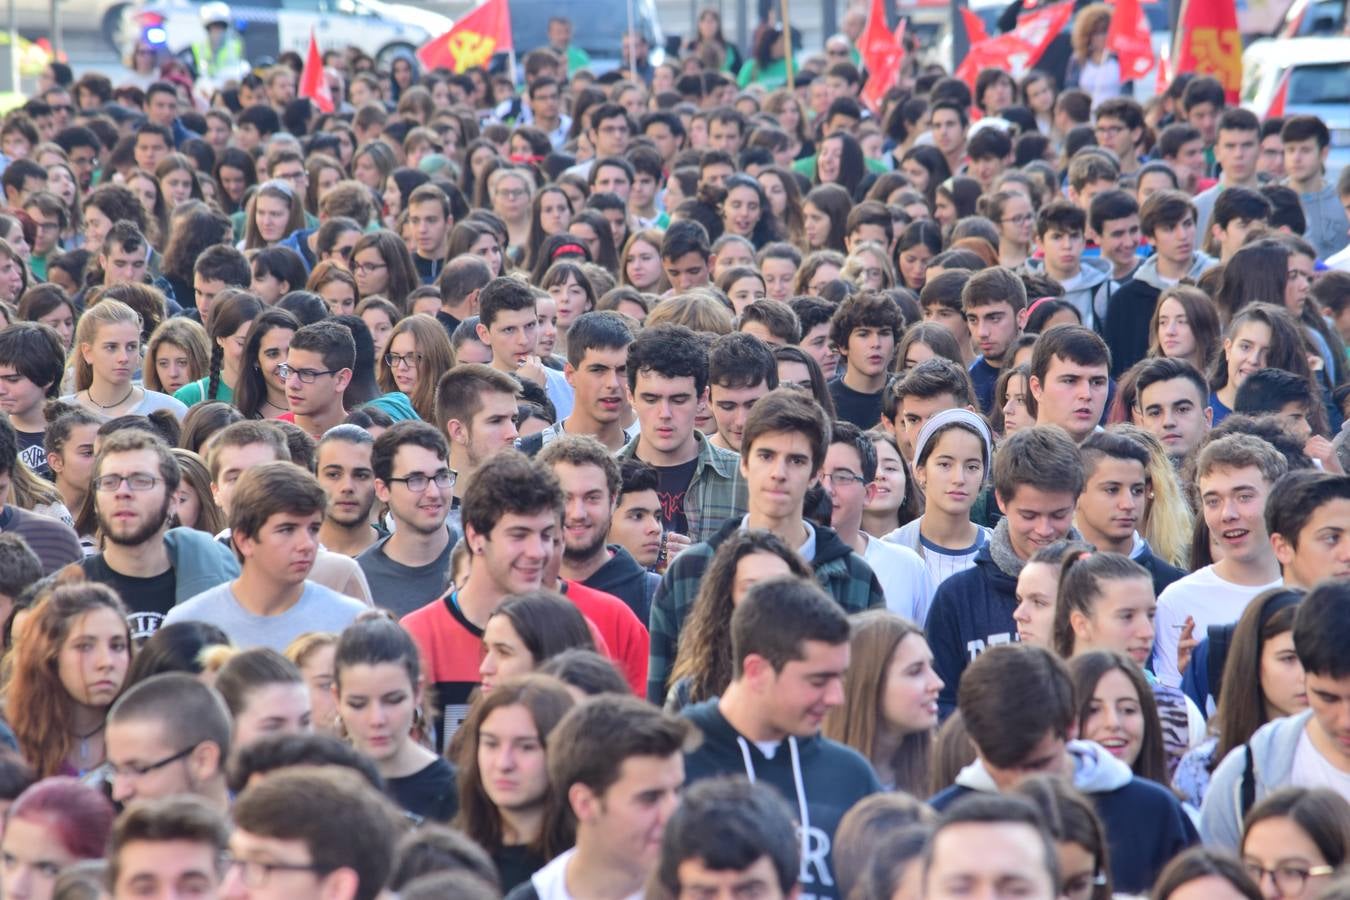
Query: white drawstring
x=797 y=783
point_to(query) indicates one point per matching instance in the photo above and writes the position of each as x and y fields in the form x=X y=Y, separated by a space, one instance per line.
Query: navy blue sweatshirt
x=971 y=611
x=820 y=779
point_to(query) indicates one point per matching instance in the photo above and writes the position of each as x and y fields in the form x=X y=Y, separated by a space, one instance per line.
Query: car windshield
x=1324 y=17
x=1328 y=83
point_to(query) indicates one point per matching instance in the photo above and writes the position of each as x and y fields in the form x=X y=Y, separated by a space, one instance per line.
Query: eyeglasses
x=399 y=360
x=306 y=376
x=132 y=770
x=1023 y=219
x=367 y=267
x=417 y=482
x=256 y=873
x=842 y=477
x=138 y=481
x=63 y=108
x=1110 y=130
x=511 y=193
x=1289 y=878
x=46 y=226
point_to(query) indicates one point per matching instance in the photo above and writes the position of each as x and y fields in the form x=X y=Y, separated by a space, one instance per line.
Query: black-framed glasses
x=1289 y=878
x=137 y=481
x=256 y=873
x=398 y=360
x=417 y=482
x=842 y=477
x=132 y=770
x=367 y=268
x=306 y=376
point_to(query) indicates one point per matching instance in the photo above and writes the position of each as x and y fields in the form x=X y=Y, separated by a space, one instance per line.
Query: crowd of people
x=671 y=482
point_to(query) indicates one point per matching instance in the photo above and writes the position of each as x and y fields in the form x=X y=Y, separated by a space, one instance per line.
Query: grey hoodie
x=1095 y=771
x=1272 y=750
x=1095 y=272
x=1327 y=223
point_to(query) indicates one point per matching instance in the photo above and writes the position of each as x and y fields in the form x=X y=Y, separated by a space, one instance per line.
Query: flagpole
x=787 y=48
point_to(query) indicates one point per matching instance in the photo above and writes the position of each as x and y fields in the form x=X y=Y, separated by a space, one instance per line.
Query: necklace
x=125 y=397
x=84 y=740
x=275 y=406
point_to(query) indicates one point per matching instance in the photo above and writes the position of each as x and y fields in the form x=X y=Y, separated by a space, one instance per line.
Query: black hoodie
x=820 y=779
x=624 y=577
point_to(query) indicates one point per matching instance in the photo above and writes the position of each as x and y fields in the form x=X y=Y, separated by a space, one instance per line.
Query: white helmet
x=215 y=13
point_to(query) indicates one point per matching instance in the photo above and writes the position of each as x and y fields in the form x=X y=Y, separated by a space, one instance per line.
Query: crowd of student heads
x=682 y=481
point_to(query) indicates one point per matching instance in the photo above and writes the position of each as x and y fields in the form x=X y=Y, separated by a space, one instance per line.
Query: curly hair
x=704 y=655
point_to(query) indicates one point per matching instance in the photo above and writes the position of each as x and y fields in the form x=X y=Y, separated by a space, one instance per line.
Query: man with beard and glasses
x=151 y=565
x=591 y=483
x=408 y=569
x=343 y=464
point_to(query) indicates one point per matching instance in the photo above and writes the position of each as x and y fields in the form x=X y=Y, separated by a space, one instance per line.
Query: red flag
x=313 y=84
x=484 y=31
x=1018 y=50
x=1128 y=39
x=974 y=27
x=1210 y=44
x=882 y=51
x=1281 y=95
x=1164 y=79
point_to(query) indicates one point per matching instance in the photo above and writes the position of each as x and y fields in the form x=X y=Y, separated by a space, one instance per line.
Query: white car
x=271 y=27
x=1318 y=84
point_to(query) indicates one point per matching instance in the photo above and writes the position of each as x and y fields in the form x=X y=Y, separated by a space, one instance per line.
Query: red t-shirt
x=452 y=649
x=624 y=634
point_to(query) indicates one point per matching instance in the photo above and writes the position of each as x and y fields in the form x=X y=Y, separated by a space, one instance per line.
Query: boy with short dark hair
x=1168 y=219
x=1281 y=394
x=1182 y=147
x=685 y=254
x=1038 y=476
x=1144 y=823
x=741 y=369
x=1307 y=142
x=940 y=300
x=317 y=370
x=1061 y=231
x=783 y=449
x=869 y=221
x=1069 y=379
x=1120 y=129
x=1237 y=152
x=770 y=321
x=1111 y=507
x=1091 y=171
x=813 y=315
x=990 y=151
x=1113 y=225
x=730 y=836
x=790 y=649
x=1236 y=212
x=926 y=390
x=865 y=328
x=508 y=323
x=992 y=301
x=1172 y=404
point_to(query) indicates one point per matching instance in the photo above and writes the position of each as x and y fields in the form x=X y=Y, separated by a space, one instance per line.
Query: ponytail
x=1080 y=579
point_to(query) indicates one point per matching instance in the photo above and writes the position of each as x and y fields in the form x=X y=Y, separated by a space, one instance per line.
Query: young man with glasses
x=169 y=735
x=135 y=485
x=545 y=101
x=408 y=569
x=1120 y=129
x=609 y=133
x=311 y=833
x=317 y=370
x=275 y=514
x=170 y=848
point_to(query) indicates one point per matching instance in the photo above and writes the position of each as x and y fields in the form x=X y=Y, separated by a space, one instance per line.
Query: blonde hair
x=1167 y=524
x=299 y=650
x=105 y=312
x=1088 y=21
x=854 y=265
x=700 y=309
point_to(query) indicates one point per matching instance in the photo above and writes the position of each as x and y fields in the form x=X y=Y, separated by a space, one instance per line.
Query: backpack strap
x=1248 y=790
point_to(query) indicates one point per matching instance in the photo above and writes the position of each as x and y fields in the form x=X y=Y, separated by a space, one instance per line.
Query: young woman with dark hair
x=232 y=316
x=260 y=393
x=528 y=629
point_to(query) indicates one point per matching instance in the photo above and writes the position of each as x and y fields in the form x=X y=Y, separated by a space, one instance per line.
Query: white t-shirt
x=1311 y=769
x=1205 y=597
x=941 y=562
x=903 y=576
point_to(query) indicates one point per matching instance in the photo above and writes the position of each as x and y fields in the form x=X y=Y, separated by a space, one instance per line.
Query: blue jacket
x=200 y=562
x=1145 y=823
x=971 y=611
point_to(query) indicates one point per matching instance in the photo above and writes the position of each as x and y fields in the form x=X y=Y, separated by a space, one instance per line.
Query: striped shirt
x=942 y=562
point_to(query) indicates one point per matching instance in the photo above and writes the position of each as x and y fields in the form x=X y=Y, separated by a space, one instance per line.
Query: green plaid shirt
x=716 y=491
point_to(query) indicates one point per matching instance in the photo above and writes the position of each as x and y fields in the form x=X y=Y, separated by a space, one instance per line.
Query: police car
x=270 y=27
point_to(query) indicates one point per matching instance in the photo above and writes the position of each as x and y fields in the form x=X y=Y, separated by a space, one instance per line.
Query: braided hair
x=230 y=312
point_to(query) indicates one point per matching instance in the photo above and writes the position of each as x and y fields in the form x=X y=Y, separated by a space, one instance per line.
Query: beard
x=360 y=517
x=147 y=529
x=586 y=551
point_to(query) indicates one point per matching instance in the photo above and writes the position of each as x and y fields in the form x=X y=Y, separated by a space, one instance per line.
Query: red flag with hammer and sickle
x=484 y=31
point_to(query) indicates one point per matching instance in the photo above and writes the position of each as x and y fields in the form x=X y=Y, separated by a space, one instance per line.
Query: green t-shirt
x=772 y=76
x=807 y=166
x=195 y=392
